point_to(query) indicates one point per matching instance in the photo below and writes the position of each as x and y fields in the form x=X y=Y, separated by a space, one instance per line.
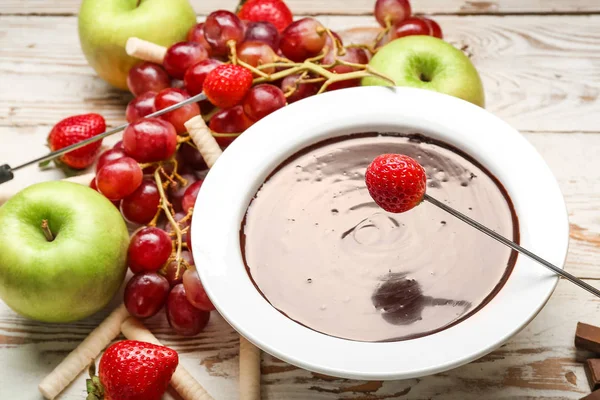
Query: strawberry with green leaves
x=132 y=370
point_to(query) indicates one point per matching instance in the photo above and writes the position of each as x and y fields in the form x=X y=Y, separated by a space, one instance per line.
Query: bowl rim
x=496 y=145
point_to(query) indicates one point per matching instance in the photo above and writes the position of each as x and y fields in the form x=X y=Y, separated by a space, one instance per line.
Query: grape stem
x=232 y=52
x=366 y=70
x=165 y=206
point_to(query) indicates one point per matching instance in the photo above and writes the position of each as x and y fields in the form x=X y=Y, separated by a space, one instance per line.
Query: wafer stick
x=187 y=387
x=145 y=50
x=249 y=354
x=82 y=179
x=249 y=370
x=204 y=140
x=84 y=354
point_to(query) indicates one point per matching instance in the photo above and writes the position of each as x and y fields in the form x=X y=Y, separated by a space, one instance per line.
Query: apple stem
x=47 y=231
x=138 y=3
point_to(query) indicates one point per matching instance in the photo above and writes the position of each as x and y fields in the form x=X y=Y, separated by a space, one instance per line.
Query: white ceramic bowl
x=243 y=167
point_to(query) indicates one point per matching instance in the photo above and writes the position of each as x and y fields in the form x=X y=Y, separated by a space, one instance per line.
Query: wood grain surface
x=321 y=7
x=540 y=62
x=540 y=74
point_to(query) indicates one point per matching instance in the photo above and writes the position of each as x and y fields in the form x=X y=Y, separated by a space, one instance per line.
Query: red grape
x=176 y=193
x=118 y=145
x=172 y=274
x=302 y=91
x=220 y=27
x=196 y=34
x=409 y=27
x=391 y=11
x=194 y=291
x=196 y=74
x=182 y=225
x=264 y=32
x=183 y=55
x=183 y=317
x=353 y=55
x=180 y=116
x=145 y=294
x=109 y=155
x=93 y=184
x=176 y=277
x=189 y=197
x=119 y=178
x=190 y=156
x=434 y=28
x=303 y=39
x=141 y=206
x=149 y=249
x=262 y=100
x=150 y=140
x=342 y=69
x=257 y=53
x=141 y=106
x=230 y=120
x=147 y=77
x=330 y=56
x=178 y=83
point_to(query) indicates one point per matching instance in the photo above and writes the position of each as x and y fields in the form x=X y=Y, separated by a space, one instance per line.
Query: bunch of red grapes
x=155 y=173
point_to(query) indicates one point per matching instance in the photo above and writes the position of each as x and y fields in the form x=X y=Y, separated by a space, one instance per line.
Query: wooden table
x=540 y=62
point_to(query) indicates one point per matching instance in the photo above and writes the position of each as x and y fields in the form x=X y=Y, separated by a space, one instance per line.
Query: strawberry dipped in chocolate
x=396 y=182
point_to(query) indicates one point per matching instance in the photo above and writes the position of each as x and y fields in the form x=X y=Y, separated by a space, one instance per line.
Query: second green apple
x=105 y=26
x=428 y=63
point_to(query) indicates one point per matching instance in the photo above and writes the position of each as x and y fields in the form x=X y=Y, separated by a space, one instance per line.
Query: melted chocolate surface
x=322 y=252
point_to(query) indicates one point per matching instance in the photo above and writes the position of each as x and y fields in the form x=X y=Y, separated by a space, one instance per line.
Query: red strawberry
x=226 y=85
x=273 y=11
x=73 y=130
x=132 y=370
x=396 y=182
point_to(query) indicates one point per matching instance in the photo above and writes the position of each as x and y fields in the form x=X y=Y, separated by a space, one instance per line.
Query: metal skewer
x=511 y=244
x=7 y=172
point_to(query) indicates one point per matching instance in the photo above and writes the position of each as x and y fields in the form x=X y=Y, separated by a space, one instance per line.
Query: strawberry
x=133 y=370
x=226 y=85
x=73 y=130
x=273 y=11
x=396 y=182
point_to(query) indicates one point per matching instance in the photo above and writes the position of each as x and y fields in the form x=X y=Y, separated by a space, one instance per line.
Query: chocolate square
x=592 y=370
x=587 y=337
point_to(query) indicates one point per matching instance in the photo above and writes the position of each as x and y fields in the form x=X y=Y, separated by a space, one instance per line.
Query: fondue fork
x=7 y=172
x=511 y=244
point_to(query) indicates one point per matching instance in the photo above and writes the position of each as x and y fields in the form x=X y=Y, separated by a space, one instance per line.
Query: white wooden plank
x=540 y=74
x=70 y=7
x=538 y=363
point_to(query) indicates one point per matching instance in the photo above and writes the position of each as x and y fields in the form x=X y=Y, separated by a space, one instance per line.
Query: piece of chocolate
x=592 y=396
x=587 y=337
x=592 y=370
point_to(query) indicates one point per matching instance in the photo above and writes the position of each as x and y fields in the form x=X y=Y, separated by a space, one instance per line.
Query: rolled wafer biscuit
x=249 y=370
x=84 y=354
x=145 y=50
x=204 y=140
x=84 y=179
x=187 y=387
x=249 y=354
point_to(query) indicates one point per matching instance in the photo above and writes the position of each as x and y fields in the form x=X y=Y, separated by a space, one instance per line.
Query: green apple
x=70 y=270
x=105 y=26
x=428 y=63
